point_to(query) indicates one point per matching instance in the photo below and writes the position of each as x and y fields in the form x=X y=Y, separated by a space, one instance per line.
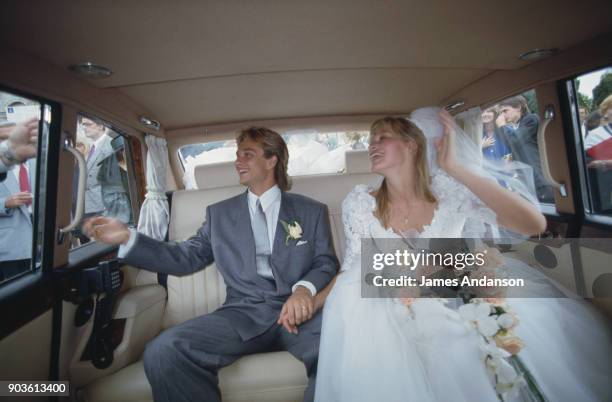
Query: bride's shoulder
x=359 y=198
x=361 y=192
x=443 y=185
x=440 y=178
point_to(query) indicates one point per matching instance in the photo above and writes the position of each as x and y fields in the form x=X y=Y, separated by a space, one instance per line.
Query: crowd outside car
x=18 y=148
x=598 y=154
x=510 y=133
x=106 y=188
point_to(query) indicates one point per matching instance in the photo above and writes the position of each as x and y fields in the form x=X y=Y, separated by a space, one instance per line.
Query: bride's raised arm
x=513 y=211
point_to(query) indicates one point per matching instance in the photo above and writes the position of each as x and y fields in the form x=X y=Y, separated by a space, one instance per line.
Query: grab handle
x=80 y=201
x=549 y=115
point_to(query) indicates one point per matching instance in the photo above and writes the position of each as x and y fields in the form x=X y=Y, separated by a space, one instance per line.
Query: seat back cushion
x=357 y=161
x=204 y=291
x=215 y=175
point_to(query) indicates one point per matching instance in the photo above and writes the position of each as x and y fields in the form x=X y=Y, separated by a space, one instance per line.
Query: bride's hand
x=445 y=145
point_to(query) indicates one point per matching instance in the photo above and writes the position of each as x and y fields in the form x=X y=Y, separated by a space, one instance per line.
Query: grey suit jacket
x=253 y=303
x=93 y=192
x=523 y=142
x=15 y=223
x=114 y=189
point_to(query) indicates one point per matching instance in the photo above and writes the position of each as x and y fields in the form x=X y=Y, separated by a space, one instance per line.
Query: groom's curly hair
x=273 y=145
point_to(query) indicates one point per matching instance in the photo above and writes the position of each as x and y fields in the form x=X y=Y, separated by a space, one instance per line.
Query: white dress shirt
x=270 y=203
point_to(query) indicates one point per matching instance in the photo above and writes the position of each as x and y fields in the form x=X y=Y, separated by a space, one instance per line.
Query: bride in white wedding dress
x=387 y=349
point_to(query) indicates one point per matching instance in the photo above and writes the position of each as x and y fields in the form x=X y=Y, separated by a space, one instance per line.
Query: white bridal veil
x=513 y=175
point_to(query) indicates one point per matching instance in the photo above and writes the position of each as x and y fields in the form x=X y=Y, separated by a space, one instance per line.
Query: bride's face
x=388 y=151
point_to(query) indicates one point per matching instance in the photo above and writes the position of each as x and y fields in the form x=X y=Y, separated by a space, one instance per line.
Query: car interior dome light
x=91 y=70
x=537 y=54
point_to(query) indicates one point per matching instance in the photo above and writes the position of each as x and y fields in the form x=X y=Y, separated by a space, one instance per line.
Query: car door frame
x=33 y=293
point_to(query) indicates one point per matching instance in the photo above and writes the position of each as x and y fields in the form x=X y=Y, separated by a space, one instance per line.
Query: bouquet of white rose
x=495 y=322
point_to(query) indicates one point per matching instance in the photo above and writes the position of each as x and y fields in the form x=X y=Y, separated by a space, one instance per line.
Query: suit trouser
x=182 y=363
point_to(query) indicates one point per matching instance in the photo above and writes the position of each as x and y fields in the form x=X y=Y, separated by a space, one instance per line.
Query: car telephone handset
x=103 y=281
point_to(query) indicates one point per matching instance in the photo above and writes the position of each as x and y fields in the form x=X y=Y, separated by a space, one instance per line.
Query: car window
x=310 y=152
x=22 y=188
x=107 y=190
x=593 y=103
x=510 y=133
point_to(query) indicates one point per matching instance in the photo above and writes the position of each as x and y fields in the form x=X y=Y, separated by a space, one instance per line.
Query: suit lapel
x=32 y=175
x=244 y=231
x=98 y=152
x=92 y=160
x=11 y=183
x=281 y=251
x=33 y=171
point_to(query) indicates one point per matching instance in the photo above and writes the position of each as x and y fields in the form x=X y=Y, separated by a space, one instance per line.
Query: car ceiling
x=201 y=62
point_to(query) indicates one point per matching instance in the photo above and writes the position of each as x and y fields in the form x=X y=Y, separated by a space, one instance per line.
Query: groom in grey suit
x=274 y=251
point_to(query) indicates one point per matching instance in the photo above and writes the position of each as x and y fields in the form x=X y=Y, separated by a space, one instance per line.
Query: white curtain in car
x=154 y=214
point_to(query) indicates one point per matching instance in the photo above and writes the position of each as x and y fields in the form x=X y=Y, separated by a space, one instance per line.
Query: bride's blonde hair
x=407 y=131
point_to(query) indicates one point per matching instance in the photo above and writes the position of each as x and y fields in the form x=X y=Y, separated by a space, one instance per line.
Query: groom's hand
x=107 y=230
x=297 y=309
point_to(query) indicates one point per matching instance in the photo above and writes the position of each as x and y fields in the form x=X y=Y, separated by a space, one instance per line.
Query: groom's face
x=252 y=166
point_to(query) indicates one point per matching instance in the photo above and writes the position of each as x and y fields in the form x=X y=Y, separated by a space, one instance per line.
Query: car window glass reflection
x=17 y=190
x=510 y=133
x=107 y=188
x=594 y=104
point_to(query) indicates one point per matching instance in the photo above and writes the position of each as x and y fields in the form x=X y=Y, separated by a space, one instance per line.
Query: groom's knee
x=171 y=352
x=157 y=351
x=164 y=354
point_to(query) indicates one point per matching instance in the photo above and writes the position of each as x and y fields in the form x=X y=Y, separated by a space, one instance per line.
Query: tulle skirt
x=380 y=350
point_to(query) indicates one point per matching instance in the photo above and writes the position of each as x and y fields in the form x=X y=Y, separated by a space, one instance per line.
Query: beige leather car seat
x=275 y=376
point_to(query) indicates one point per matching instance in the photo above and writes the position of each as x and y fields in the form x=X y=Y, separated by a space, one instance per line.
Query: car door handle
x=80 y=201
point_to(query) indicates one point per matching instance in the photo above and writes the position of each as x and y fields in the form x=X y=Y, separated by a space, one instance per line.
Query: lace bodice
x=459 y=214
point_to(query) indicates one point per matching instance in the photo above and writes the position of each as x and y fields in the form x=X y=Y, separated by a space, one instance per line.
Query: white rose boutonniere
x=292 y=229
